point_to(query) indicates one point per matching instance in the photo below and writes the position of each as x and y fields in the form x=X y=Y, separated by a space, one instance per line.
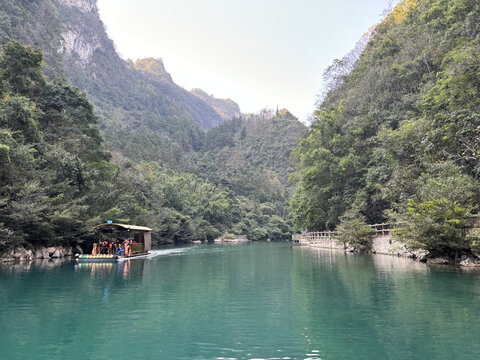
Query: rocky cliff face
x=93 y=65
x=76 y=44
x=84 y=32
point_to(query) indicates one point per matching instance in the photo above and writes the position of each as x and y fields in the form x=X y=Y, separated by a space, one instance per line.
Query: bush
x=356 y=233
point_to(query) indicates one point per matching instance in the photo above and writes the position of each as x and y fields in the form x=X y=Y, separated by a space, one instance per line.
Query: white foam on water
x=155 y=253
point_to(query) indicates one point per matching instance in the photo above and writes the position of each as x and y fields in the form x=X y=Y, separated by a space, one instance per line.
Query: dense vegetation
x=58 y=180
x=250 y=158
x=36 y=23
x=143 y=114
x=52 y=159
x=396 y=138
x=162 y=169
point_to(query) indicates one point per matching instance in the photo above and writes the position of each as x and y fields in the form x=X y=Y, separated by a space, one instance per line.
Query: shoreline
x=28 y=253
x=384 y=245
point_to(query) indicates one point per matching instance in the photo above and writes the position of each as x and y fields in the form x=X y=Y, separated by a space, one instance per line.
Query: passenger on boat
x=94 y=249
x=128 y=248
x=118 y=250
x=103 y=249
x=110 y=248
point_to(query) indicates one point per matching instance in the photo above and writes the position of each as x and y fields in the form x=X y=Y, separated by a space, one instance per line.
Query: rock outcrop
x=75 y=43
x=29 y=253
x=80 y=41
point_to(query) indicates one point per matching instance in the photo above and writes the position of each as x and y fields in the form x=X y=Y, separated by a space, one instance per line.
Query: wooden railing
x=312 y=237
x=138 y=248
x=382 y=229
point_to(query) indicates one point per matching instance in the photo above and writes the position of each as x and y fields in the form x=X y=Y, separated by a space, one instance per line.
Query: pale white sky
x=257 y=52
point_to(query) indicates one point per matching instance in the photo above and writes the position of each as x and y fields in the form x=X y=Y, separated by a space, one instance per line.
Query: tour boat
x=139 y=239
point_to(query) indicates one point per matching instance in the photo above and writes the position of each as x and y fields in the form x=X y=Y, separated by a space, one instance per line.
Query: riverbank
x=29 y=252
x=383 y=244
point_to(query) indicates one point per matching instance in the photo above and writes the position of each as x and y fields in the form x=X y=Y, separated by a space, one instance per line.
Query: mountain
x=244 y=146
x=250 y=156
x=397 y=136
x=169 y=156
x=226 y=108
x=138 y=103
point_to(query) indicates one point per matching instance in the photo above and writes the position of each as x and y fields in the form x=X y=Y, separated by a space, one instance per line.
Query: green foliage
x=437 y=219
x=407 y=108
x=35 y=23
x=53 y=161
x=172 y=174
x=22 y=68
x=250 y=158
x=355 y=232
x=229 y=236
x=144 y=115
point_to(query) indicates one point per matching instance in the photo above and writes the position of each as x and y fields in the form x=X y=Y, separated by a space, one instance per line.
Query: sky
x=259 y=53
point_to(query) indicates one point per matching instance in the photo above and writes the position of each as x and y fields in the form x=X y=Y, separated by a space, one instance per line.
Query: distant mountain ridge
x=86 y=47
x=226 y=108
x=178 y=162
x=131 y=99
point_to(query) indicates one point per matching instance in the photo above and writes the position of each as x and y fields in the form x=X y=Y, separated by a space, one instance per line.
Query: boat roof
x=122 y=226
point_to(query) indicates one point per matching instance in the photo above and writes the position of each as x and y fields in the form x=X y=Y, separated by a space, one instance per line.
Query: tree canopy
x=398 y=133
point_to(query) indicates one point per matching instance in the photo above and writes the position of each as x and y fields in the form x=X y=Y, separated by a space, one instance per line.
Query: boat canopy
x=122 y=226
x=140 y=235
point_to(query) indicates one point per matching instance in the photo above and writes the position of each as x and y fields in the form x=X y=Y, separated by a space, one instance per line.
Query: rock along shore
x=22 y=253
x=385 y=245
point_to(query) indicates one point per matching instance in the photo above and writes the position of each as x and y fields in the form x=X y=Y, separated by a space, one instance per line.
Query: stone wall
x=383 y=244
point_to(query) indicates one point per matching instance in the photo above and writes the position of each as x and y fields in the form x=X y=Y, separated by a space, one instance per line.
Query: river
x=240 y=301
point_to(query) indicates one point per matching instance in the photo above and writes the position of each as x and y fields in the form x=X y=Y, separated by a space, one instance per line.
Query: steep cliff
x=143 y=114
x=397 y=136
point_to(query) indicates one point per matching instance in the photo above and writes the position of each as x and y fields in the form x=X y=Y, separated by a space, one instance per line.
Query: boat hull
x=85 y=258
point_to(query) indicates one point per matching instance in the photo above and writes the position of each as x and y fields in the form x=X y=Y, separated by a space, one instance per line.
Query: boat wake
x=155 y=253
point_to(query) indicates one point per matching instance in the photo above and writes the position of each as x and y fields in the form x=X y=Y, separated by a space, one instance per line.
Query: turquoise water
x=254 y=301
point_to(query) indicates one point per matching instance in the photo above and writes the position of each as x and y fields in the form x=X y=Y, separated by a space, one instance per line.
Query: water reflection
x=389 y=306
x=39 y=264
x=261 y=301
x=137 y=269
x=397 y=264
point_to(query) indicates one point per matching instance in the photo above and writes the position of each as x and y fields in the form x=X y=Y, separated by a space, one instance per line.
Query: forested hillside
x=53 y=164
x=58 y=180
x=227 y=108
x=139 y=154
x=251 y=157
x=136 y=102
x=397 y=136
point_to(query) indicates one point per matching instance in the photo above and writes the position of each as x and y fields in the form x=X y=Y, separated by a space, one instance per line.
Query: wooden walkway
x=319 y=236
